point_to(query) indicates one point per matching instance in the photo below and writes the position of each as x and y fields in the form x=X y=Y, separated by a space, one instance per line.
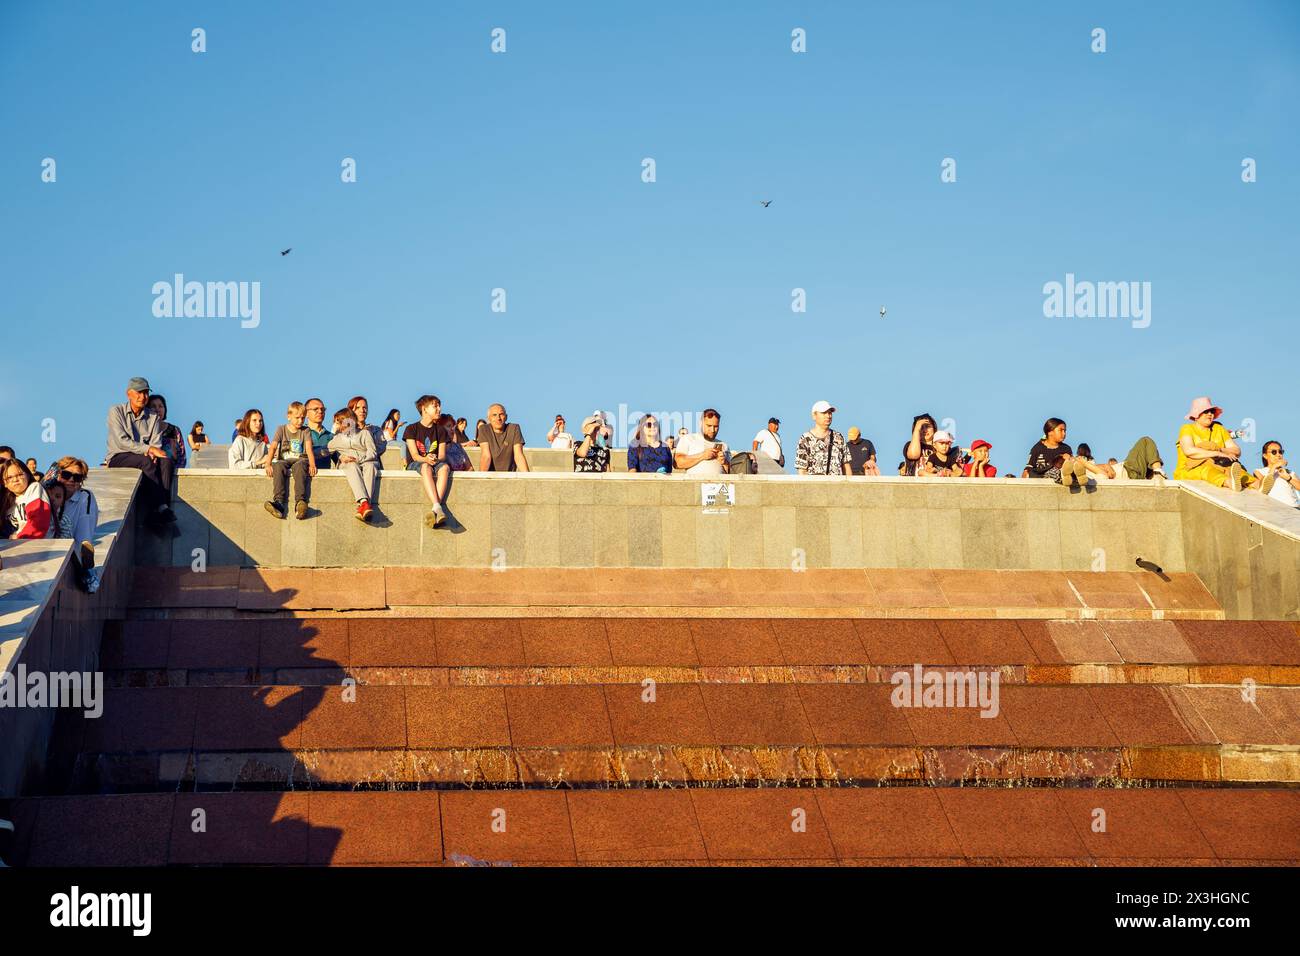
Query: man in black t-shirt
x=861 y=453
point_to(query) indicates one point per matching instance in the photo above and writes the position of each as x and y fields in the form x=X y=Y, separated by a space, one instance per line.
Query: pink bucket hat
x=1203 y=404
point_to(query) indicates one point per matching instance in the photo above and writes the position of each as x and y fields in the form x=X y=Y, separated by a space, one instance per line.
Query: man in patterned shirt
x=821 y=450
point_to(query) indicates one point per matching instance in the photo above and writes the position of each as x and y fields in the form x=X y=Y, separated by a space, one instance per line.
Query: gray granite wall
x=621 y=520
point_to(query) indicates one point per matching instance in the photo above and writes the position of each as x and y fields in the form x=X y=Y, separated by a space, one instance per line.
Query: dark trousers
x=280 y=471
x=156 y=488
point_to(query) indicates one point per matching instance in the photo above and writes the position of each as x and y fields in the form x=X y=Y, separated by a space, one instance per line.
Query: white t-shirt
x=697 y=444
x=563 y=441
x=1281 y=491
x=769 y=443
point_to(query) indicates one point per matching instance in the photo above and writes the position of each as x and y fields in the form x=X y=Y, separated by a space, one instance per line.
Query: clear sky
x=523 y=171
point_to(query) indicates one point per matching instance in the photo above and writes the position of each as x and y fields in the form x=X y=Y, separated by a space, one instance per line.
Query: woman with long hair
x=1052 y=458
x=198 y=438
x=360 y=408
x=647 y=452
x=249 y=451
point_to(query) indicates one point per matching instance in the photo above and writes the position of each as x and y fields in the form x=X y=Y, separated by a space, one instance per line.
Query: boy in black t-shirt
x=426 y=444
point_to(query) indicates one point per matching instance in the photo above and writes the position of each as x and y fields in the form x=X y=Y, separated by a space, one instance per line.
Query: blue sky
x=522 y=171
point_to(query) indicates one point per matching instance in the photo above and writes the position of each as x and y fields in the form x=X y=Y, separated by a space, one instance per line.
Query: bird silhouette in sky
x=765 y=203
x=285 y=252
x=882 y=311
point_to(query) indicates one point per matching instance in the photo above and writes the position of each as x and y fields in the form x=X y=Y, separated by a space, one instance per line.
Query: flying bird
x=882 y=311
x=765 y=203
x=285 y=252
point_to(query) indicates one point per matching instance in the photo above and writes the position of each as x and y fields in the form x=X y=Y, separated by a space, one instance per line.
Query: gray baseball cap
x=138 y=384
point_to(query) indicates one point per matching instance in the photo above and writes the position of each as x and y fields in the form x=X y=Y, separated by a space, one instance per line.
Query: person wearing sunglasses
x=79 y=518
x=647 y=452
x=1277 y=480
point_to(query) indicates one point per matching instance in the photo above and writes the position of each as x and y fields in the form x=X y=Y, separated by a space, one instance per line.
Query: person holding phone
x=701 y=453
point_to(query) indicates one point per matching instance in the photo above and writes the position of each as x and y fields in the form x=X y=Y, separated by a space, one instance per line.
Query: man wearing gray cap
x=135 y=441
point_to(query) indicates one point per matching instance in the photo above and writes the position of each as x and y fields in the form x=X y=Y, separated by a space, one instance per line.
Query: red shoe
x=364 y=511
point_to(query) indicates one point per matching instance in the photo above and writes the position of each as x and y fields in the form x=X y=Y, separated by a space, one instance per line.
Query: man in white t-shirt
x=768 y=441
x=700 y=453
x=558 y=437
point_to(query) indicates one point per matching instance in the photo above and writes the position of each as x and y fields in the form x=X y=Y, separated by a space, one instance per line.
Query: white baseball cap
x=823 y=407
x=940 y=436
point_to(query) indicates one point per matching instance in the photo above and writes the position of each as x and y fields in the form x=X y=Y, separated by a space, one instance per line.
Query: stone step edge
x=1264 y=675
x=141 y=613
x=673 y=765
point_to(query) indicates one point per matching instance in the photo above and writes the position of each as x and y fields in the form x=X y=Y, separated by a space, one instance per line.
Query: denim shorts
x=416 y=465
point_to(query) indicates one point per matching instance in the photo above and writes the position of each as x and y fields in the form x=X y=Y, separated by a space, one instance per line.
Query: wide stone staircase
x=651 y=716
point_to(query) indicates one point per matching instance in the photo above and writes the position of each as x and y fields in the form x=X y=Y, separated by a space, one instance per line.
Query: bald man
x=502 y=444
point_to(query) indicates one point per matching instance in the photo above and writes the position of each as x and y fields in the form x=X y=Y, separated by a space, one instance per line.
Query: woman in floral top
x=592 y=454
x=646 y=452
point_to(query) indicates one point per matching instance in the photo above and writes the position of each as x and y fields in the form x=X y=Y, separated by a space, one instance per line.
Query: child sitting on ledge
x=358 y=459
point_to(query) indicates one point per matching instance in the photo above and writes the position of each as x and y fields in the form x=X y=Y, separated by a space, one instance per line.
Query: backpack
x=743 y=463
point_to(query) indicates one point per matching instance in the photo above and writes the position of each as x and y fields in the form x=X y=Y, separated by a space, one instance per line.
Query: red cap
x=979 y=443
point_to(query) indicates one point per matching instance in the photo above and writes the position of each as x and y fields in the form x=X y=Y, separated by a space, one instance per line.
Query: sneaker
x=434 y=519
x=300 y=510
x=363 y=511
x=1068 y=478
x=1235 y=471
x=1267 y=482
x=275 y=508
x=86 y=554
x=1080 y=471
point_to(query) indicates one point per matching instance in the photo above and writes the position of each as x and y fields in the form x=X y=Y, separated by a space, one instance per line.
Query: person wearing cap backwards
x=821 y=449
x=862 y=454
x=1206 y=452
x=135 y=439
x=978 y=466
x=768 y=441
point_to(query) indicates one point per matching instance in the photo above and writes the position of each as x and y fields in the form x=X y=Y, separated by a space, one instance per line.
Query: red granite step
x=477 y=651
x=908 y=825
x=720 y=733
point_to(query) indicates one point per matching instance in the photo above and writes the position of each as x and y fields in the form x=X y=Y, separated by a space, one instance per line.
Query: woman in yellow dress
x=1206 y=451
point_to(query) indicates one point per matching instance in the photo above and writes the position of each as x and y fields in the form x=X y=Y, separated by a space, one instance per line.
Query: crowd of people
x=56 y=504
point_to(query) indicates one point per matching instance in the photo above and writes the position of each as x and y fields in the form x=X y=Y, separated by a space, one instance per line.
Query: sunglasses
x=66 y=475
x=1275 y=451
x=651 y=424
